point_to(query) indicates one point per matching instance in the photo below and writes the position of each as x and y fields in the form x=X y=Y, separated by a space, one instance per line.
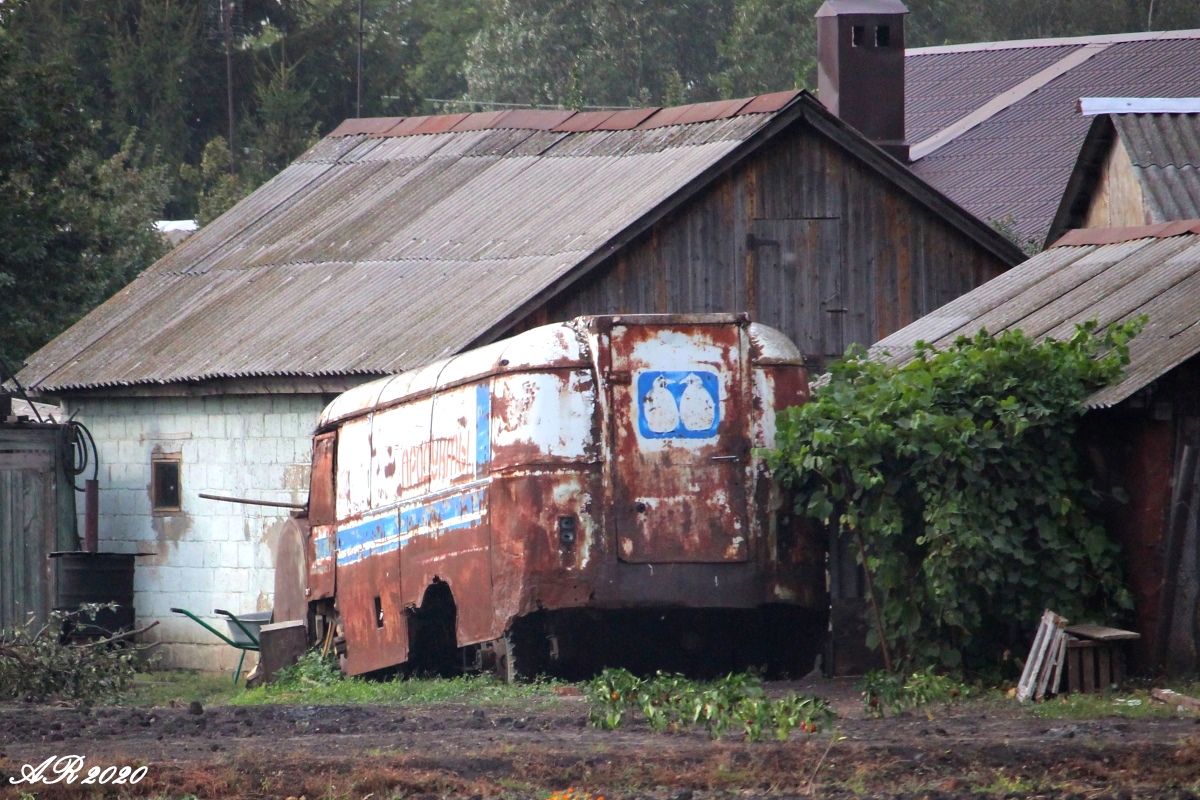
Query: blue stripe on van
x=386 y=534
x=483 y=418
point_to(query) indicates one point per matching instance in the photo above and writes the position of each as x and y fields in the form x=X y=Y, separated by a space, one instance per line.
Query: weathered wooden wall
x=1117 y=200
x=36 y=517
x=1149 y=446
x=805 y=237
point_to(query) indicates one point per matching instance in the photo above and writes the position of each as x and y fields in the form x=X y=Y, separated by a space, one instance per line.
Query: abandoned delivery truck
x=580 y=494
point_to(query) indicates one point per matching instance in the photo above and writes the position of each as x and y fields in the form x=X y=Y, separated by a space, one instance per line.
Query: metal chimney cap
x=833 y=8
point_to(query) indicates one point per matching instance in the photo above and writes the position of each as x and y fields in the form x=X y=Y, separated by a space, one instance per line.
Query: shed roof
x=996 y=125
x=1109 y=275
x=1165 y=152
x=395 y=242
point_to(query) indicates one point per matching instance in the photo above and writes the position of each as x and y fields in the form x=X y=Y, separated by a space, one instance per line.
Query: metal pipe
x=248 y=502
x=91 y=516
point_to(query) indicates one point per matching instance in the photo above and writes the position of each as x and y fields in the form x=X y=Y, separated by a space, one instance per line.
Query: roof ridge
x=1009 y=97
x=566 y=120
x=1061 y=41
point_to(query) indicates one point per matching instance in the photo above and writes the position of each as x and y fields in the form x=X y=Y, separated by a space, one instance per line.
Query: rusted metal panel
x=681 y=445
x=534 y=119
x=318 y=537
x=583 y=121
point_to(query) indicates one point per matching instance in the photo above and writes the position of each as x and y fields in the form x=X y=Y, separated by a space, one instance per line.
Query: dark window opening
x=378 y=613
x=857 y=34
x=165 y=471
x=883 y=36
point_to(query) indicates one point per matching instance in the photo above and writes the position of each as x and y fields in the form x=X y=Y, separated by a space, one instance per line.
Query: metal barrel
x=97 y=578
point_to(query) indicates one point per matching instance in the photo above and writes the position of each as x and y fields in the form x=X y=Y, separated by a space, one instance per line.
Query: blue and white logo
x=678 y=405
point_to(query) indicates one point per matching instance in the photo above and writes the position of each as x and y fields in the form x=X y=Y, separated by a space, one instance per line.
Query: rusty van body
x=580 y=493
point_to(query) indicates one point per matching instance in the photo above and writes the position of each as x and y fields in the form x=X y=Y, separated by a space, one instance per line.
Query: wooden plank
x=1104 y=679
x=1033 y=662
x=1175 y=699
x=1060 y=662
x=1088 y=656
x=1100 y=633
x=1119 y=667
x=1074 y=673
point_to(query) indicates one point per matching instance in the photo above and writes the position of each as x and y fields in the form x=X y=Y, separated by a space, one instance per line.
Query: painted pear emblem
x=659 y=409
x=696 y=405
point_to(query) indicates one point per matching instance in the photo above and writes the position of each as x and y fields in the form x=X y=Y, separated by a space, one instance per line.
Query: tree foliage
x=156 y=71
x=959 y=472
x=74 y=226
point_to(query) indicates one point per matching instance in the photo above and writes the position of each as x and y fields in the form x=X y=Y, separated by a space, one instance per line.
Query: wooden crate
x=1096 y=657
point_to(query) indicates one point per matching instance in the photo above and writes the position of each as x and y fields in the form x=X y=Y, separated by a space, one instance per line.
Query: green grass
x=476 y=690
x=315 y=682
x=1132 y=702
x=180 y=686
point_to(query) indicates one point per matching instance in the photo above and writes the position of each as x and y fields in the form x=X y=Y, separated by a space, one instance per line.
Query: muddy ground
x=533 y=748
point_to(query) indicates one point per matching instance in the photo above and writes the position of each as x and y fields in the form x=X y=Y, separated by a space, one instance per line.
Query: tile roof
x=1017 y=161
x=1109 y=275
x=441 y=228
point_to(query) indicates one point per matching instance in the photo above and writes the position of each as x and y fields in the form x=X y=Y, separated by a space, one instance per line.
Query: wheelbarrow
x=243 y=630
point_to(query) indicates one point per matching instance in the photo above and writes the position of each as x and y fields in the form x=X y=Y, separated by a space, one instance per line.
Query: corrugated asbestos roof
x=1165 y=151
x=1153 y=271
x=395 y=242
x=1017 y=162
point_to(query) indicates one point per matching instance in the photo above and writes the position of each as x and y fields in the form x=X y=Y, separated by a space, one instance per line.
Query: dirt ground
x=535 y=748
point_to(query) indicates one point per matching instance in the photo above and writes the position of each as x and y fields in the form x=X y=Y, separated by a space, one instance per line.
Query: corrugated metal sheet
x=1018 y=162
x=1158 y=276
x=1165 y=151
x=369 y=233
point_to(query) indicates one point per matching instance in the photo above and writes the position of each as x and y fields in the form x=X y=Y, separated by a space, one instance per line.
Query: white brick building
x=207 y=554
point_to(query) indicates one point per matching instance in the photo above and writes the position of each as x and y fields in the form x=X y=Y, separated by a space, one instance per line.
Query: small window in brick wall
x=857 y=34
x=165 y=470
x=883 y=36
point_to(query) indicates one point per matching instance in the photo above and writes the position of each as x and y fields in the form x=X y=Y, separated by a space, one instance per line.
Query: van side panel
x=445 y=533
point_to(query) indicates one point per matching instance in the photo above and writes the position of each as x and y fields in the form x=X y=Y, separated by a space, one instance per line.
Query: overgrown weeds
x=42 y=662
x=671 y=702
x=884 y=692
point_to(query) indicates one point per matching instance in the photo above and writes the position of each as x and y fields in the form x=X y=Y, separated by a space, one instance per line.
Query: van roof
x=556 y=346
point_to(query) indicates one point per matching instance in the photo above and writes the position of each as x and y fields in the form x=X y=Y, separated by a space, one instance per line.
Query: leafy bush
x=957 y=475
x=890 y=691
x=41 y=664
x=672 y=702
x=312 y=669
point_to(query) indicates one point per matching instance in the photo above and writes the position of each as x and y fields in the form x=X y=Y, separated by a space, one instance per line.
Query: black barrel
x=96 y=578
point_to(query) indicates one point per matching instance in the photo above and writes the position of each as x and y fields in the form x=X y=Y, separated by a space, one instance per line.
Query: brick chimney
x=860 y=68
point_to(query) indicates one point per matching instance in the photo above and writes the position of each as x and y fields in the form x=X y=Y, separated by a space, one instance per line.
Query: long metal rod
x=246 y=501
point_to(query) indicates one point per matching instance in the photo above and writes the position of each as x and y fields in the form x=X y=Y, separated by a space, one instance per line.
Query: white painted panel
x=400 y=468
x=547 y=413
x=354 y=468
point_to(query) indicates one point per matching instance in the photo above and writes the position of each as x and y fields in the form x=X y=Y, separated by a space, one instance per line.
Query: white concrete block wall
x=210 y=554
